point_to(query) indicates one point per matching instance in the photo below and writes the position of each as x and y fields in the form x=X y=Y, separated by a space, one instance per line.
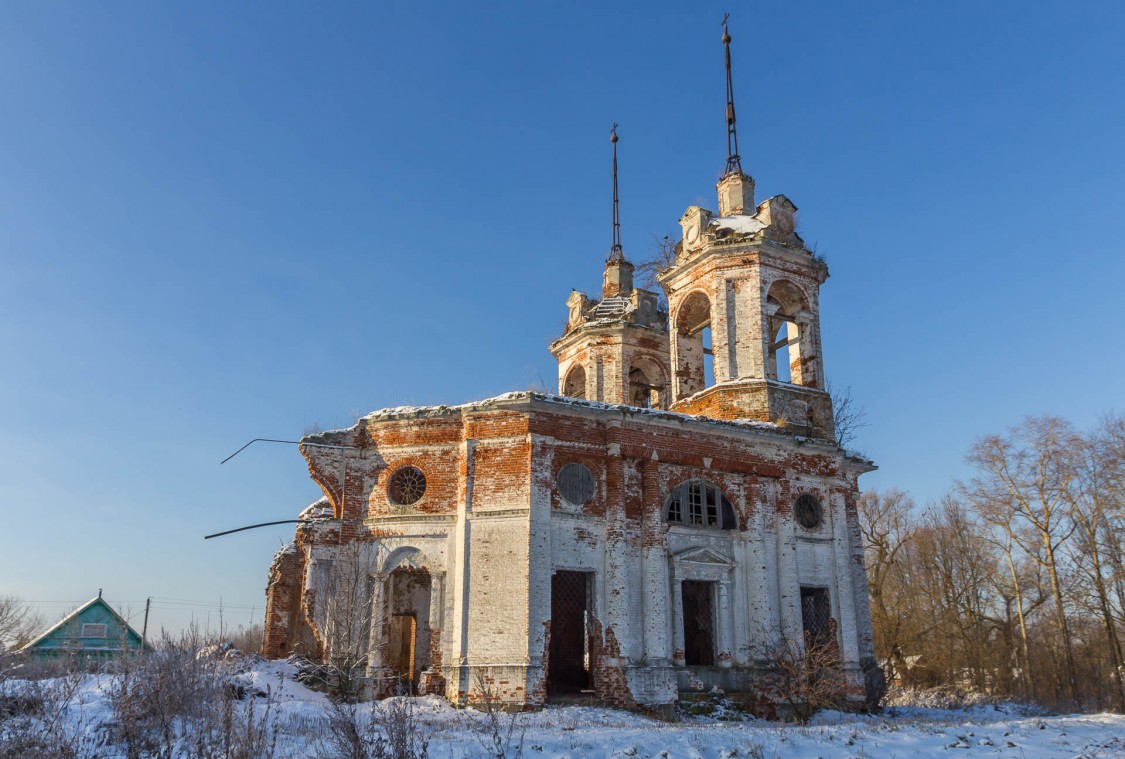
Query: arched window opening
x=789 y=359
x=694 y=357
x=698 y=503
x=575 y=384
x=646 y=385
x=640 y=389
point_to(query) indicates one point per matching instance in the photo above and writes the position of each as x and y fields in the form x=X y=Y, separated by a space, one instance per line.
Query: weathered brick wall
x=492 y=529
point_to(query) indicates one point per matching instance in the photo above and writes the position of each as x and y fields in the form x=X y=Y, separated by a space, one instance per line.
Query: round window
x=576 y=484
x=808 y=512
x=407 y=486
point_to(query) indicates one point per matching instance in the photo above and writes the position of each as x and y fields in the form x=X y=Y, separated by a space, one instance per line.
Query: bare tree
x=1093 y=503
x=848 y=416
x=1026 y=478
x=1016 y=586
x=887 y=526
x=954 y=569
x=663 y=254
x=19 y=623
x=346 y=614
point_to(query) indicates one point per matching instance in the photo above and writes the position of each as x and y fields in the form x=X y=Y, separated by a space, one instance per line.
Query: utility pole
x=144 y=630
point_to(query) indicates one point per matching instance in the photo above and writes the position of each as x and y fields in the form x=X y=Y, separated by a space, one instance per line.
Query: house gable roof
x=97 y=611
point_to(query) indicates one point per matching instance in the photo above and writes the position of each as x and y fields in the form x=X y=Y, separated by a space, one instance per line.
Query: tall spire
x=615 y=253
x=733 y=163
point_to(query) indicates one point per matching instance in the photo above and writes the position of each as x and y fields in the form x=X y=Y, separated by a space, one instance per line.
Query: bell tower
x=743 y=303
x=615 y=350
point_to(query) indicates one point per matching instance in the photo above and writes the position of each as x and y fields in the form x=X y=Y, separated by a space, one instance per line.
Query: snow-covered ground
x=302 y=716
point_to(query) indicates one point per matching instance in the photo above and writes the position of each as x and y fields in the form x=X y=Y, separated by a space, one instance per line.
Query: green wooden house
x=92 y=632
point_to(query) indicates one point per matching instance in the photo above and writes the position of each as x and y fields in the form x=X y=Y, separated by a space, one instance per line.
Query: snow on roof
x=611 y=309
x=396 y=411
x=321 y=508
x=288 y=548
x=415 y=411
x=746 y=225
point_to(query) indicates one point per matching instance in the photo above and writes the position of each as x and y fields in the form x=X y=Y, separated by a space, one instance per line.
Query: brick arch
x=790 y=353
x=648 y=383
x=788 y=294
x=406 y=557
x=691 y=306
x=691 y=320
x=574 y=383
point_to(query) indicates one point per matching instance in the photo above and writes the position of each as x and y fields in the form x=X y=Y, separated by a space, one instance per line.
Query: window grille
x=816 y=615
x=697 y=597
x=576 y=484
x=808 y=511
x=568 y=666
x=93 y=630
x=701 y=504
x=407 y=486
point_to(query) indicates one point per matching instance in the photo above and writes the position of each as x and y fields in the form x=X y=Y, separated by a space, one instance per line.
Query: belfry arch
x=789 y=354
x=691 y=347
x=648 y=384
x=574 y=385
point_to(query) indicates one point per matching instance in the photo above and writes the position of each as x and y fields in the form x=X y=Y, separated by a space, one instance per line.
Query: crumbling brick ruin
x=679 y=509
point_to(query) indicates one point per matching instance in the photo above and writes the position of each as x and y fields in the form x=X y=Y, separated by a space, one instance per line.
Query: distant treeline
x=1014 y=583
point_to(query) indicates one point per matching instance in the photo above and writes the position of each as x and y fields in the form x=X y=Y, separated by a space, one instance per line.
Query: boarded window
x=93 y=630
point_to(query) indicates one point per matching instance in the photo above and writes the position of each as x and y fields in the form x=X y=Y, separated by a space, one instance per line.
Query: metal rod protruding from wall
x=289 y=442
x=255 y=526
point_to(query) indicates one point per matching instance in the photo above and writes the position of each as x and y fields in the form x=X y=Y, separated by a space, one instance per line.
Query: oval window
x=407 y=486
x=808 y=511
x=576 y=484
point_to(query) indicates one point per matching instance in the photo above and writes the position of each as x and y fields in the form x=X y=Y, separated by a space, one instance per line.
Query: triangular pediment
x=704 y=555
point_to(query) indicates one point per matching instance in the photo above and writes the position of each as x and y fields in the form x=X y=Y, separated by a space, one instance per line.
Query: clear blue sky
x=221 y=221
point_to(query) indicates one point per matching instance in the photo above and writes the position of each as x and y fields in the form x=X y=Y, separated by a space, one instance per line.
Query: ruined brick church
x=679 y=510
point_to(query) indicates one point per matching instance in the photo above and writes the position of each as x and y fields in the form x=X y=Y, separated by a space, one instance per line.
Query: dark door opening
x=699 y=622
x=408 y=628
x=568 y=662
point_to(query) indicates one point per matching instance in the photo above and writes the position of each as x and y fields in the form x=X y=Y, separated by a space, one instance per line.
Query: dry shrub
x=34 y=720
x=806 y=678
x=247 y=639
x=501 y=736
x=183 y=699
x=390 y=731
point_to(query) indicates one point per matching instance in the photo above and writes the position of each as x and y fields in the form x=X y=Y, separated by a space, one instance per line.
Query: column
x=654 y=569
x=725 y=622
x=616 y=546
x=845 y=591
x=678 y=657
